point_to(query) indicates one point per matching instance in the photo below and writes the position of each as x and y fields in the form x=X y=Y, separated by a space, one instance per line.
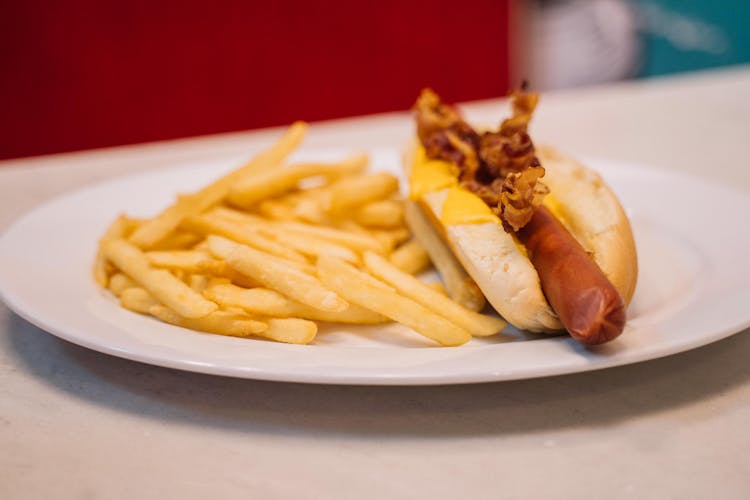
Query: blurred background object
x=79 y=74
x=684 y=35
x=583 y=42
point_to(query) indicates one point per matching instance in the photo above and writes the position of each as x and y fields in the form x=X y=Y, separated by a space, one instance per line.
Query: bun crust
x=587 y=207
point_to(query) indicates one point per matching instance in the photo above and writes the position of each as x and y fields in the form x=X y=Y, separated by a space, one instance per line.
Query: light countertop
x=75 y=423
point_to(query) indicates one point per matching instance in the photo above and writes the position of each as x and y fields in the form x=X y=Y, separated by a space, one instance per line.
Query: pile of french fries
x=272 y=248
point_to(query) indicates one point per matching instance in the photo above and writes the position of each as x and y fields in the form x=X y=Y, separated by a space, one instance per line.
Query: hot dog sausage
x=589 y=306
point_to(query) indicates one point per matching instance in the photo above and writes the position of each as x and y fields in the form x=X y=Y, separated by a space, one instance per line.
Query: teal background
x=669 y=29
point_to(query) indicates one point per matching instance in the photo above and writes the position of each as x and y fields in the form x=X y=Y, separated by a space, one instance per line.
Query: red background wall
x=80 y=74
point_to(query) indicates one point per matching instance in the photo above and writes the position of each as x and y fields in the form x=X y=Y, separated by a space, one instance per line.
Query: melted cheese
x=464 y=207
x=429 y=175
x=461 y=206
x=554 y=206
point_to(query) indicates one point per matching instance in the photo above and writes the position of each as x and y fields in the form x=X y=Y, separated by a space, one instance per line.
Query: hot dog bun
x=581 y=200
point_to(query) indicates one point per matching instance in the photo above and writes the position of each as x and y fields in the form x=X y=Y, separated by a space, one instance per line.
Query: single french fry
x=138 y=300
x=220 y=247
x=267 y=302
x=411 y=257
x=391 y=238
x=272 y=183
x=177 y=240
x=310 y=210
x=278 y=275
x=150 y=233
x=219 y=322
x=477 y=324
x=260 y=301
x=276 y=210
x=382 y=214
x=120 y=282
x=437 y=286
x=199 y=282
x=290 y=330
x=117 y=229
x=192 y=261
x=347 y=281
x=458 y=283
x=131 y=224
x=245 y=234
x=360 y=190
x=201 y=246
x=163 y=285
x=234 y=215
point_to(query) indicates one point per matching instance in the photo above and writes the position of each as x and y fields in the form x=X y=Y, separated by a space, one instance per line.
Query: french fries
x=119 y=283
x=310 y=246
x=277 y=274
x=150 y=233
x=357 y=241
x=245 y=234
x=188 y=260
x=138 y=300
x=177 y=240
x=199 y=282
x=102 y=270
x=383 y=213
x=270 y=249
x=411 y=257
x=272 y=183
x=219 y=322
x=165 y=287
x=290 y=330
x=348 y=282
x=271 y=303
x=406 y=284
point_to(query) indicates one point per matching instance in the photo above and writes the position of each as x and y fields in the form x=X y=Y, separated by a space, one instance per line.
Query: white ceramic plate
x=693 y=290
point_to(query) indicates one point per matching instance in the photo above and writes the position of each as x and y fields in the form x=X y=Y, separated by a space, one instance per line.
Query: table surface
x=75 y=423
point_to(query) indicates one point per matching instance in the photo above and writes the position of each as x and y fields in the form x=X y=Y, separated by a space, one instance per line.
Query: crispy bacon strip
x=523 y=104
x=520 y=191
x=499 y=166
x=445 y=135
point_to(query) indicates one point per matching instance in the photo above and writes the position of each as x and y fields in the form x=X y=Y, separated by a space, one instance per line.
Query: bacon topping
x=498 y=166
x=520 y=191
x=445 y=135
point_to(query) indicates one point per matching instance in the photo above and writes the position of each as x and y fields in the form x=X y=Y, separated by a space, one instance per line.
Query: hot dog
x=544 y=237
x=589 y=306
